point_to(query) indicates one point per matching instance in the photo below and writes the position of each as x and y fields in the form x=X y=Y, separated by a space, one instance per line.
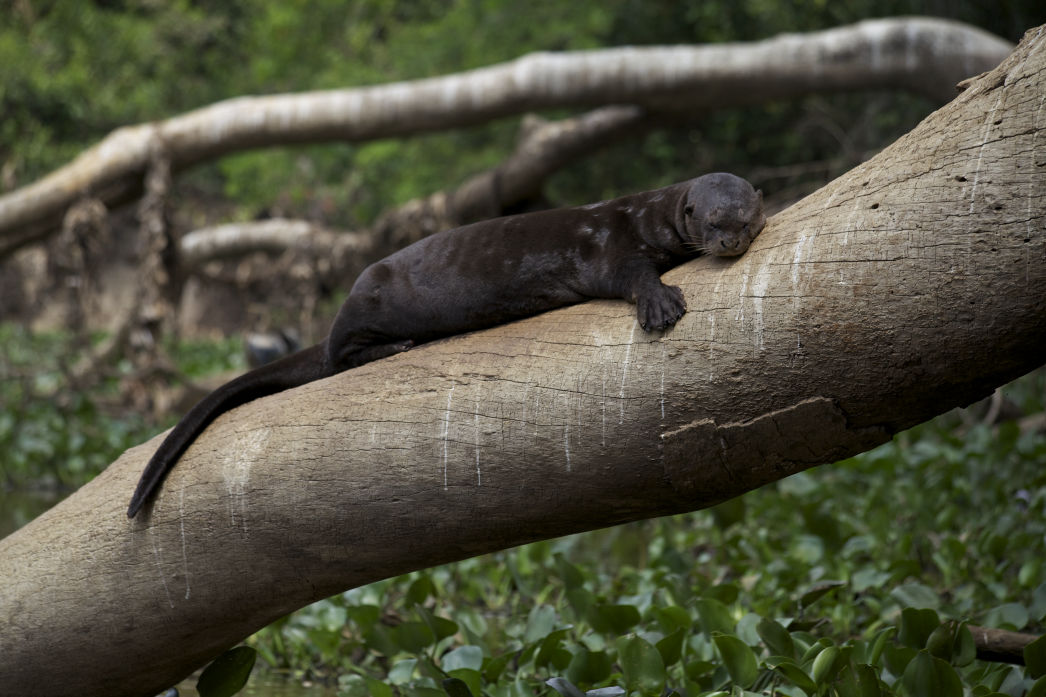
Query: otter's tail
x=294 y=370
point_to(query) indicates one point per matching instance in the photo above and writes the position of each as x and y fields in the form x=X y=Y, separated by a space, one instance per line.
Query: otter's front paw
x=661 y=308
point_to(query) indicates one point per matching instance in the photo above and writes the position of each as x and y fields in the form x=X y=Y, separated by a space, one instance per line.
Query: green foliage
x=54 y=437
x=228 y=673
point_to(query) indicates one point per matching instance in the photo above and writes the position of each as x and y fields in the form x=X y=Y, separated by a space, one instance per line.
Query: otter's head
x=722 y=214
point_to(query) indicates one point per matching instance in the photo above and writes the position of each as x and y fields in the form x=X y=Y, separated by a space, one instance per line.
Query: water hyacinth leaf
x=470 y=657
x=589 y=667
x=745 y=629
x=420 y=589
x=739 y=659
x=376 y=688
x=939 y=643
x=441 y=627
x=412 y=637
x=822 y=666
x=1013 y=616
x=540 y=622
x=571 y=575
x=796 y=675
x=818 y=591
x=858 y=680
x=1035 y=657
x=552 y=651
x=879 y=644
x=495 y=666
x=641 y=664
x=1038 y=689
x=228 y=673
x=671 y=647
x=402 y=671
x=466 y=676
x=672 y=618
x=915 y=595
x=581 y=601
x=615 y=619
x=564 y=687
x=725 y=593
x=455 y=687
x=964 y=650
x=896 y=658
x=776 y=638
x=926 y=675
x=916 y=626
x=714 y=616
x=364 y=616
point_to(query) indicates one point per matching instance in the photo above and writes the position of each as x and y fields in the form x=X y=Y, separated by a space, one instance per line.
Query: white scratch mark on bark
x=185 y=554
x=849 y=225
x=624 y=371
x=566 y=443
x=446 y=435
x=711 y=346
x=796 y=259
x=373 y=433
x=236 y=470
x=740 y=316
x=988 y=123
x=604 y=405
x=159 y=567
x=662 y=380
x=479 y=475
x=762 y=280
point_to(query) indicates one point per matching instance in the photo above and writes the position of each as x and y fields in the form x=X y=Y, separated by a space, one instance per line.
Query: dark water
x=19 y=507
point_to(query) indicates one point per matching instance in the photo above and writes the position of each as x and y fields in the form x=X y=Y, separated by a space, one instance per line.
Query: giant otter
x=499 y=270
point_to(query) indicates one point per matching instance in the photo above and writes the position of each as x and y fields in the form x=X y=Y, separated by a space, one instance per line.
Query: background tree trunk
x=927 y=56
x=910 y=285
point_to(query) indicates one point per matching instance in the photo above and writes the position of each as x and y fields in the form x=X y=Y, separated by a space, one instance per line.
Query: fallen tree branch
x=1000 y=645
x=927 y=56
x=544 y=148
x=904 y=288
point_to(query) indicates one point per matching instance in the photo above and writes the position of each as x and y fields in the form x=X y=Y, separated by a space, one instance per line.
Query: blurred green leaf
x=777 y=639
x=470 y=657
x=589 y=667
x=1035 y=657
x=228 y=673
x=926 y=675
x=714 y=616
x=917 y=626
x=739 y=659
x=641 y=664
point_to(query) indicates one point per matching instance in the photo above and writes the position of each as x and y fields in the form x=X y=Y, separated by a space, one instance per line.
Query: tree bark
x=910 y=285
x=924 y=55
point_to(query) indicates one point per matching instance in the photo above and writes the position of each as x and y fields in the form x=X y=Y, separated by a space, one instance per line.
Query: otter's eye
x=688 y=211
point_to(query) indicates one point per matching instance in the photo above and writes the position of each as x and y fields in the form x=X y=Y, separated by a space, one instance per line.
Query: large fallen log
x=912 y=284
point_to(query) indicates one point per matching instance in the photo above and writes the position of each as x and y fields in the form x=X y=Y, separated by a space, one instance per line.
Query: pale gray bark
x=912 y=284
x=924 y=55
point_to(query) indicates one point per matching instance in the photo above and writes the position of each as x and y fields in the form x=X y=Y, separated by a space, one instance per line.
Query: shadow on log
x=912 y=284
